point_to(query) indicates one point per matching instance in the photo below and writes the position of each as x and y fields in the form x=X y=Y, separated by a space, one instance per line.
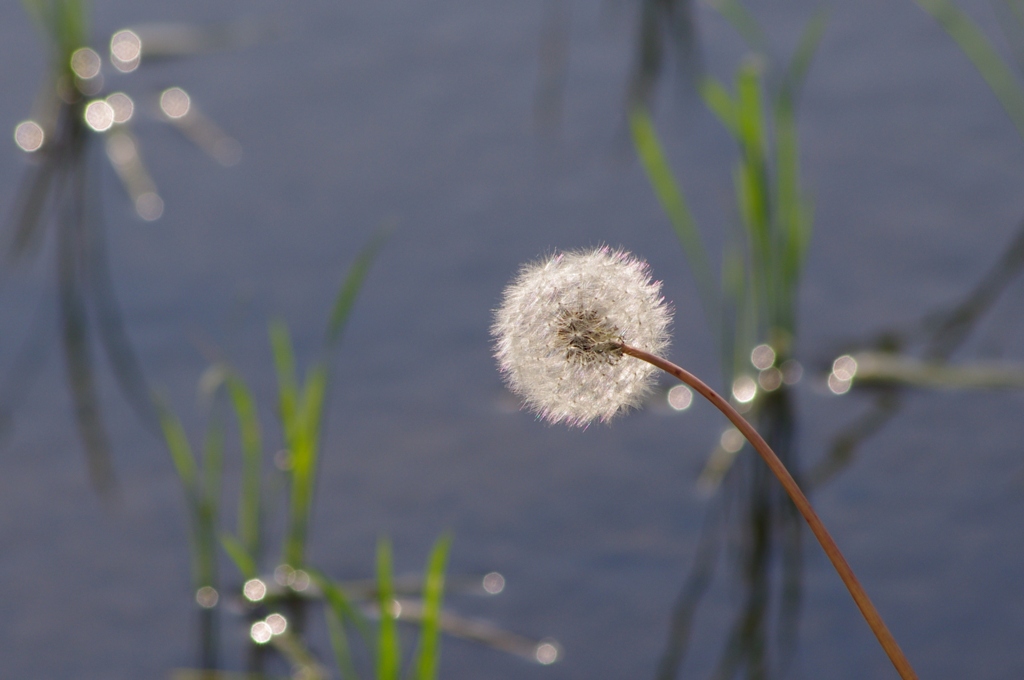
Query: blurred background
x=490 y=133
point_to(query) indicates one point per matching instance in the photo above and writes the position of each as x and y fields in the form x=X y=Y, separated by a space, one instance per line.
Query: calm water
x=424 y=112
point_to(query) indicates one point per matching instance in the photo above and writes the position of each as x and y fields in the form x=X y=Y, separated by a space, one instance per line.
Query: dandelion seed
x=562 y=323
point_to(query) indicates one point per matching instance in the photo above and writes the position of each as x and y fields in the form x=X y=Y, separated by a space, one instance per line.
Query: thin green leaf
x=389 y=657
x=213 y=461
x=339 y=644
x=673 y=202
x=743 y=22
x=353 y=282
x=339 y=603
x=288 y=389
x=429 y=656
x=977 y=48
x=178 y=446
x=207 y=506
x=796 y=72
x=243 y=561
x=718 y=100
x=252 y=462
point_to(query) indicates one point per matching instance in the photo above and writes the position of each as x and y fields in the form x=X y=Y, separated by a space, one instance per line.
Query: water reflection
x=931 y=341
x=59 y=189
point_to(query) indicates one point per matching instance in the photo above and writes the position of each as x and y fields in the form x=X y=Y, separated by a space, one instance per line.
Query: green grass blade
x=305 y=449
x=339 y=644
x=791 y=213
x=673 y=202
x=428 y=658
x=244 y=405
x=180 y=450
x=346 y=298
x=243 y=561
x=389 y=655
x=340 y=604
x=287 y=382
x=977 y=48
x=207 y=508
x=750 y=128
x=743 y=22
x=800 y=64
x=718 y=100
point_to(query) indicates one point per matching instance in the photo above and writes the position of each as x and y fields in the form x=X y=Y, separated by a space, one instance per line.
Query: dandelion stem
x=860 y=597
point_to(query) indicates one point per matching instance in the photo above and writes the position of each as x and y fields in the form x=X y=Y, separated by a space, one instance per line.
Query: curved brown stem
x=860 y=597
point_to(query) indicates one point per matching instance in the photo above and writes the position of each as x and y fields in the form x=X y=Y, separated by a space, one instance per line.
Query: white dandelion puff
x=561 y=326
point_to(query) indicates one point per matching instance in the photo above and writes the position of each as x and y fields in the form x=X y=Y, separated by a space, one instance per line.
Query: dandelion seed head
x=560 y=327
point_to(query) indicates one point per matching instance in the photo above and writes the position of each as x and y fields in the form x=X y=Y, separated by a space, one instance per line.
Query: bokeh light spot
x=207 y=597
x=732 y=440
x=494 y=583
x=125 y=50
x=770 y=379
x=301 y=582
x=284 y=575
x=149 y=206
x=278 y=624
x=838 y=385
x=175 y=102
x=122 y=105
x=744 y=389
x=792 y=371
x=261 y=632
x=546 y=653
x=844 y=368
x=680 y=397
x=99 y=115
x=29 y=136
x=762 y=357
x=85 y=63
x=254 y=590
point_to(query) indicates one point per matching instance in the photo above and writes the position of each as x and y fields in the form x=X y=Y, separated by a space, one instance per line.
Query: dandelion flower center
x=561 y=326
x=588 y=336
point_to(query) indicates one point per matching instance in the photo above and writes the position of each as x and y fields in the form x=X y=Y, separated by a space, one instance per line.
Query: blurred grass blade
x=339 y=644
x=720 y=102
x=304 y=663
x=339 y=603
x=352 y=283
x=389 y=655
x=793 y=214
x=284 y=363
x=796 y=72
x=428 y=658
x=304 y=446
x=179 y=448
x=28 y=226
x=743 y=22
x=975 y=45
x=666 y=188
x=243 y=561
x=209 y=501
x=252 y=462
